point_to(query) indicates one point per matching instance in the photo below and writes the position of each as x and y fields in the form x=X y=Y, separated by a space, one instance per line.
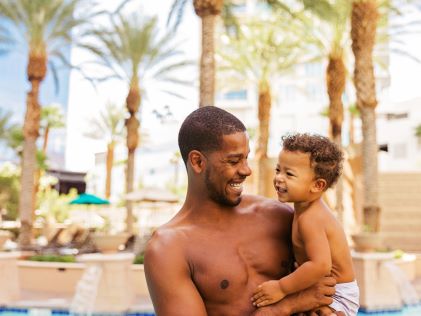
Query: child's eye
x=277 y=170
x=289 y=174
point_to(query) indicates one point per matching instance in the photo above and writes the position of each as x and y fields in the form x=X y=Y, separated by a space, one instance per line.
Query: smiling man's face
x=227 y=169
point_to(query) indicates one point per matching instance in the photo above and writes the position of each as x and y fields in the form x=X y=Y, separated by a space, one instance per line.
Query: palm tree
x=44 y=26
x=4 y=124
x=109 y=125
x=262 y=51
x=132 y=50
x=207 y=10
x=328 y=25
x=51 y=118
x=364 y=18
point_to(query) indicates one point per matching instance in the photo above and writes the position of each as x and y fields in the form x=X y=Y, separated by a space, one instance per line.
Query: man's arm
x=169 y=281
x=314 y=297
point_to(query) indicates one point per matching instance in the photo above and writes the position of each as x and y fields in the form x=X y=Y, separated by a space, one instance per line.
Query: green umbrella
x=89 y=199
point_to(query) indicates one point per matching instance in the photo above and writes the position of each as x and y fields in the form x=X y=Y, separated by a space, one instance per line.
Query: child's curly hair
x=326 y=158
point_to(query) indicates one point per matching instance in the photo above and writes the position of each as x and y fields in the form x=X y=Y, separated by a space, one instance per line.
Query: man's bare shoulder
x=267 y=206
x=165 y=238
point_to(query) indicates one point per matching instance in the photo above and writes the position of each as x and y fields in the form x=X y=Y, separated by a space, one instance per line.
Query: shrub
x=52 y=258
x=139 y=259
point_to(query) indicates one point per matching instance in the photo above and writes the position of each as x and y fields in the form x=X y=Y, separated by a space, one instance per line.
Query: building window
x=234 y=95
x=313 y=69
x=314 y=92
x=399 y=151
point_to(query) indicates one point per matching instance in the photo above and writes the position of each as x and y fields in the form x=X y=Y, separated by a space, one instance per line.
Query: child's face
x=294 y=177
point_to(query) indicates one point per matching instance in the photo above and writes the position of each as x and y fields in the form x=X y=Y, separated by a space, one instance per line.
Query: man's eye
x=233 y=162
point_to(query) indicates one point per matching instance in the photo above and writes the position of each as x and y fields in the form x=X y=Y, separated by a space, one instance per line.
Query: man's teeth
x=236 y=185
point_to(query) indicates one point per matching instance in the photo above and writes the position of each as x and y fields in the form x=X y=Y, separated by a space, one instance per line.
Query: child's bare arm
x=313 y=235
x=319 y=264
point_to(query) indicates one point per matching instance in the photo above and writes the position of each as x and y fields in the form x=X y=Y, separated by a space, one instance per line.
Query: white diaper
x=346 y=298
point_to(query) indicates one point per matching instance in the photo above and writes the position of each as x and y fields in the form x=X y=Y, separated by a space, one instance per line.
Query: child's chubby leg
x=267 y=293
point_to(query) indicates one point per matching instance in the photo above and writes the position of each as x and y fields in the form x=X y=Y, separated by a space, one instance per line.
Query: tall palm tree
x=44 y=26
x=109 y=125
x=328 y=31
x=364 y=18
x=262 y=51
x=207 y=10
x=133 y=51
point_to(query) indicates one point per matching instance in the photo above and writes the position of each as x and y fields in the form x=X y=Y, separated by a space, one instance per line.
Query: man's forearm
x=309 y=299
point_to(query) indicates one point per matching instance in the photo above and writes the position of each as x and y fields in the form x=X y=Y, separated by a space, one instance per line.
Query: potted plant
x=108 y=241
x=367 y=240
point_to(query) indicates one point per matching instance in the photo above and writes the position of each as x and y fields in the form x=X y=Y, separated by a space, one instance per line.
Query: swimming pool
x=407 y=311
x=48 y=312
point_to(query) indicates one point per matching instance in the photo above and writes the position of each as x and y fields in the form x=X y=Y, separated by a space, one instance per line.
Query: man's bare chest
x=226 y=266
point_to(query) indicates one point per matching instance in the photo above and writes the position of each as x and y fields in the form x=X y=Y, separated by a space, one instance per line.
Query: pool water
x=47 y=312
x=407 y=311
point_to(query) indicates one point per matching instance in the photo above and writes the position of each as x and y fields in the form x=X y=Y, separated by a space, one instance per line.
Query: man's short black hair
x=203 y=129
x=326 y=158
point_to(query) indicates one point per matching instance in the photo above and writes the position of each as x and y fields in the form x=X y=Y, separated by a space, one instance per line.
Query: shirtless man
x=210 y=257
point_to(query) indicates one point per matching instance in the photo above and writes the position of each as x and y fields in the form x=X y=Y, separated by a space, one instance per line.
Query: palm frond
x=176 y=12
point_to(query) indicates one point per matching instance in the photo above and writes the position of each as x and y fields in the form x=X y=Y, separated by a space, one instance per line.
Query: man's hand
x=267 y=293
x=310 y=299
x=324 y=311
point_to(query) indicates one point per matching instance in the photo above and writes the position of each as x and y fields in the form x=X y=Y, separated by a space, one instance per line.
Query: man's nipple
x=224 y=284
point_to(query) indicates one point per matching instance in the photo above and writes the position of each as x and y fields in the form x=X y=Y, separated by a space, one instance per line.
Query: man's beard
x=217 y=196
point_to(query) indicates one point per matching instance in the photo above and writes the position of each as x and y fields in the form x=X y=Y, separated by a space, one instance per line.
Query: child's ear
x=319 y=185
x=196 y=160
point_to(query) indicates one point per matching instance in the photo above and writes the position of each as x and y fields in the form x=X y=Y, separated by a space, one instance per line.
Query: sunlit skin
x=210 y=257
x=319 y=243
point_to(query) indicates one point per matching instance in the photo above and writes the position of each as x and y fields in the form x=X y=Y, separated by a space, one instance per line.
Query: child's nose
x=279 y=178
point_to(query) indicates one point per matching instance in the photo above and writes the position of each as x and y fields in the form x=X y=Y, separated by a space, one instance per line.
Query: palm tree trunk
x=261 y=155
x=207 y=10
x=110 y=162
x=29 y=165
x=363 y=32
x=132 y=125
x=351 y=129
x=335 y=80
x=38 y=171
x=36 y=71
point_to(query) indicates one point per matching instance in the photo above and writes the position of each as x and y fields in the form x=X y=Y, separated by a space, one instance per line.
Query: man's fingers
x=327 y=311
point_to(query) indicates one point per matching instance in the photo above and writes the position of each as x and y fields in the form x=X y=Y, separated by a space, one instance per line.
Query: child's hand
x=267 y=293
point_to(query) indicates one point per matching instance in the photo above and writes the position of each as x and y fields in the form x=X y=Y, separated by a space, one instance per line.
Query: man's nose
x=245 y=169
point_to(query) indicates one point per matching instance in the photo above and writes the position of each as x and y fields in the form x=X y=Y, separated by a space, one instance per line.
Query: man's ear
x=319 y=185
x=196 y=160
